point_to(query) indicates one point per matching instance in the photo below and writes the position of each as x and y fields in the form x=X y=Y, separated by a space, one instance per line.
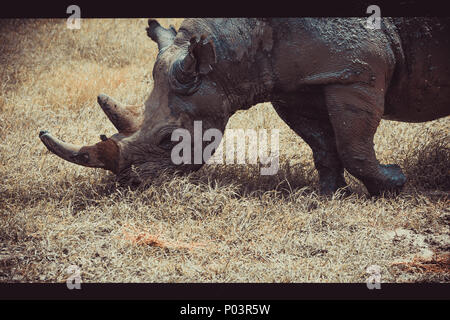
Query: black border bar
x=224 y=8
x=224 y=291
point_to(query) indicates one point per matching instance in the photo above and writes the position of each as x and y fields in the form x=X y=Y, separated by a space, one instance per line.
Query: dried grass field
x=224 y=223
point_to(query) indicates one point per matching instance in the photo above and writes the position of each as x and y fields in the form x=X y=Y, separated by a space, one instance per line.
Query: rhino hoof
x=392 y=182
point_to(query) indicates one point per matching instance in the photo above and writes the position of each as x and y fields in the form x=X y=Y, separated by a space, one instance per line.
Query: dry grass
x=222 y=224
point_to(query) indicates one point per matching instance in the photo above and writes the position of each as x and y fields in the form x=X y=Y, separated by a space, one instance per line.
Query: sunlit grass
x=221 y=224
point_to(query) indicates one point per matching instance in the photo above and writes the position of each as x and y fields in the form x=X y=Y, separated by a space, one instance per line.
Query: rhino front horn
x=85 y=156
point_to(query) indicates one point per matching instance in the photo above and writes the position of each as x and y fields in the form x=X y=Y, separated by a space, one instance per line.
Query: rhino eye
x=181 y=82
x=166 y=142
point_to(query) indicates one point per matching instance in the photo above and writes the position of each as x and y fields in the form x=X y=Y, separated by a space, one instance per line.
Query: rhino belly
x=420 y=91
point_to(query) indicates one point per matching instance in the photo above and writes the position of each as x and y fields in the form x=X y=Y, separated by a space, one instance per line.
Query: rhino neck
x=244 y=62
x=244 y=83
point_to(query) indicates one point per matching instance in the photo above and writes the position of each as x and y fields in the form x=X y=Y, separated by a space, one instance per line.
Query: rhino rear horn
x=162 y=36
x=126 y=119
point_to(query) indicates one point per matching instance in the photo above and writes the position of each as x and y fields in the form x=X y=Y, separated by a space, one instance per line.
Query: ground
x=225 y=223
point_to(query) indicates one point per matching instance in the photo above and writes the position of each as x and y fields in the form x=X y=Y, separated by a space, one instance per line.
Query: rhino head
x=183 y=93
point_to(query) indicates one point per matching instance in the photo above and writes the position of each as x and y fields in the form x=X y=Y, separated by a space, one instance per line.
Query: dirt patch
x=438 y=263
x=141 y=237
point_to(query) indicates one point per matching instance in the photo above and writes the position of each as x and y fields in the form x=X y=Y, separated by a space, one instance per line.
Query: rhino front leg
x=319 y=135
x=355 y=112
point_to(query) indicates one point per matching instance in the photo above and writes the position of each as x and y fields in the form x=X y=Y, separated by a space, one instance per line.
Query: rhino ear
x=201 y=56
x=162 y=36
x=185 y=75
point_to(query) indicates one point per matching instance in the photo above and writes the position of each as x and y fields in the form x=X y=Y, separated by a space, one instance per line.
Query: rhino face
x=182 y=93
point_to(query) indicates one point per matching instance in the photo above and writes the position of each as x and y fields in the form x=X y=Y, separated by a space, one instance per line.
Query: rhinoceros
x=330 y=79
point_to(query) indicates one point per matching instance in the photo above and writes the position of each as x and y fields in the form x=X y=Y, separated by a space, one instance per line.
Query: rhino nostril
x=82 y=157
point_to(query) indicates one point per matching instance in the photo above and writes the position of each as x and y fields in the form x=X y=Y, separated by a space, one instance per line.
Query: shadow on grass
x=426 y=168
x=91 y=190
x=81 y=193
x=248 y=181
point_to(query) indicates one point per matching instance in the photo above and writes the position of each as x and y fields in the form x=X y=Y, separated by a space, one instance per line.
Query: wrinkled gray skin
x=330 y=79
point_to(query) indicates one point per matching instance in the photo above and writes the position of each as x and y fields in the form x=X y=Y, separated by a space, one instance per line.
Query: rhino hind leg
x=319 y=135
x=355 y=112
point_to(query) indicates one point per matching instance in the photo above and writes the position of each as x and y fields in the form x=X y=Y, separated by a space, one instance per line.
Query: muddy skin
x=331 y=80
